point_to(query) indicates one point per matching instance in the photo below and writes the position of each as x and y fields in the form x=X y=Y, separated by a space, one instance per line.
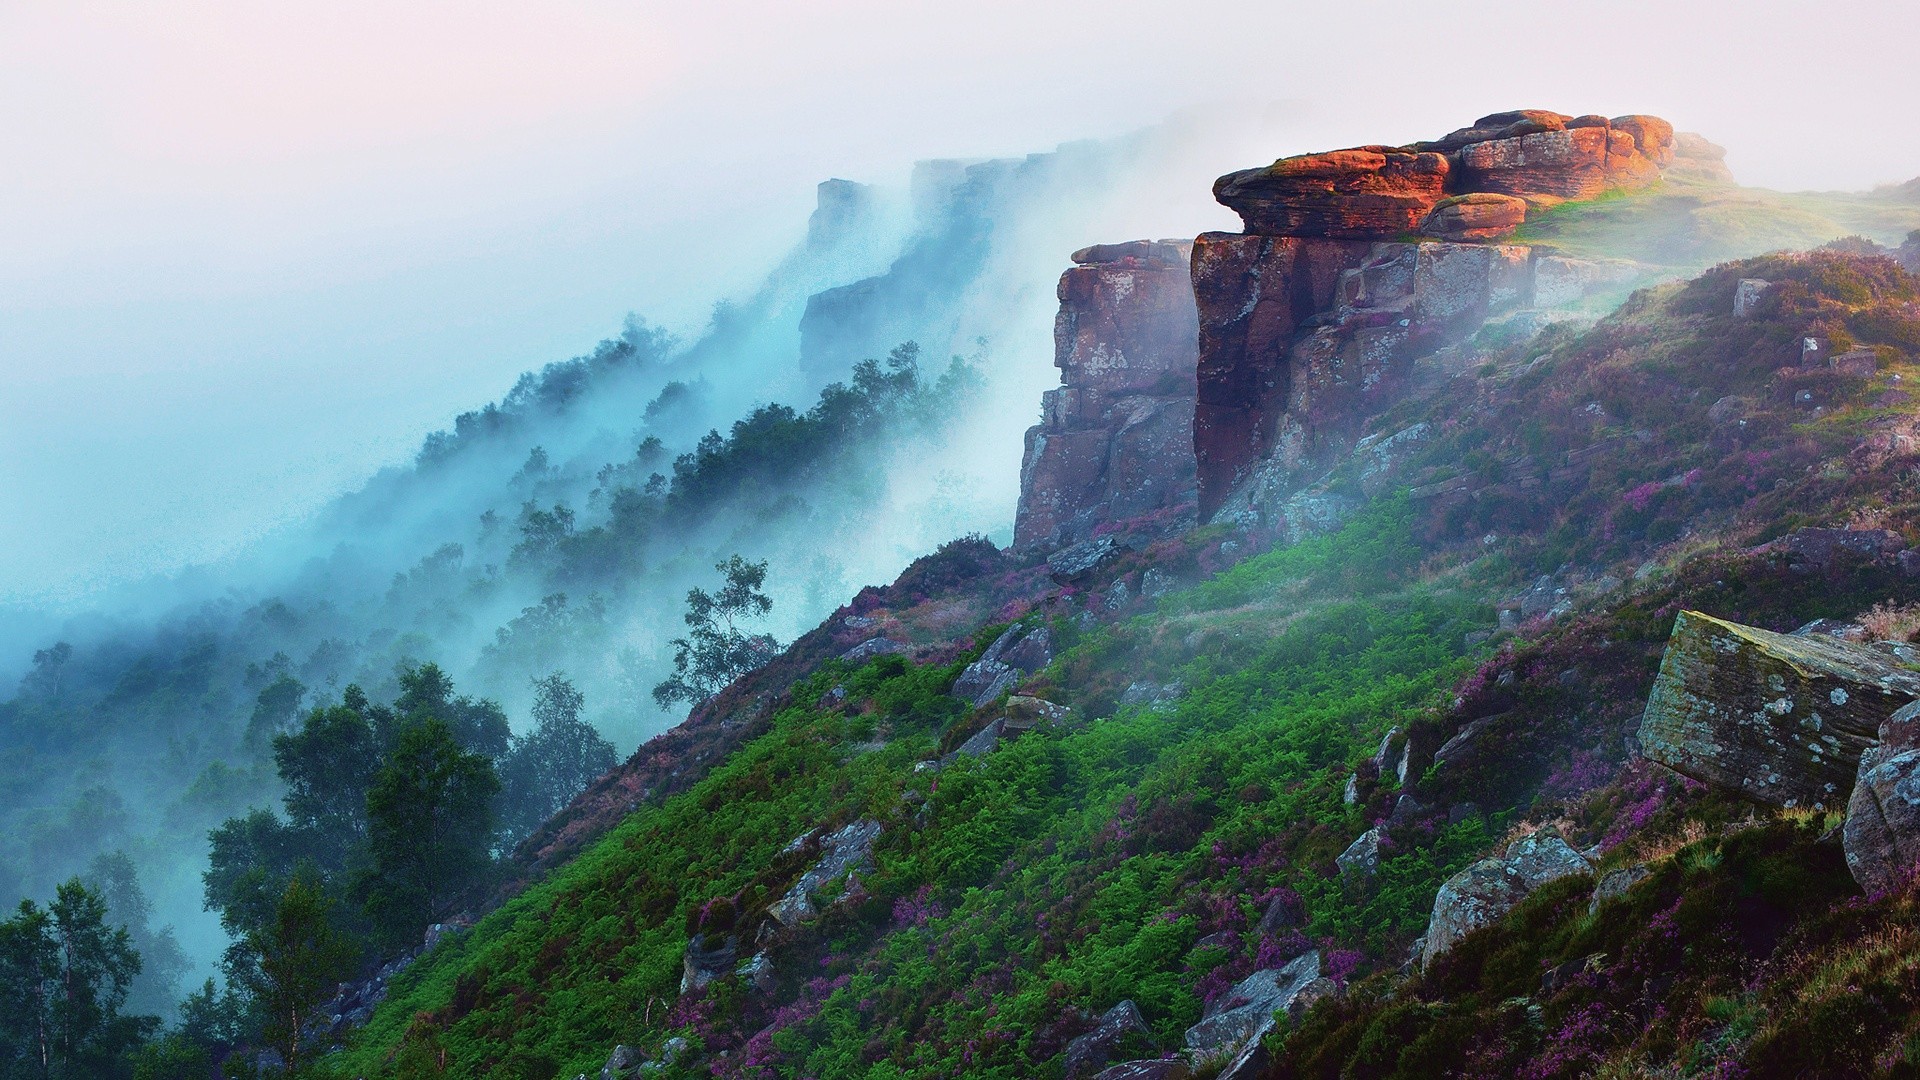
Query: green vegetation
x=1072 y=867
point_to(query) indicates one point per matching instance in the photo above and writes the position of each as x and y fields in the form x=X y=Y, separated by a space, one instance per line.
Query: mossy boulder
x=1778 y=718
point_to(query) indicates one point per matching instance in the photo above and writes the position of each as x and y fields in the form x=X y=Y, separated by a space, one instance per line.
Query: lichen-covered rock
x=1245 y=1013
x=879 y=646
x=1490 y=888
x=1479 y=215
x=620 y=1063
x=1778 y=718
x=1882 y=834
x=1615 y=883
x=1071 y=565
x=706 y=959
x=1362 y=856
x=843 y=851
x=1746 y=296
x=1018 y=652
x=1091 y=1052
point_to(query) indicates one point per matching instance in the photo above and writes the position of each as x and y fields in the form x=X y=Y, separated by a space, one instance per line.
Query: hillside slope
x=1178 y=830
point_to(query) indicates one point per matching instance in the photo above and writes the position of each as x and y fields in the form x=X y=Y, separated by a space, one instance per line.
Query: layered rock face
x=1115 y=442
x=1316 y=316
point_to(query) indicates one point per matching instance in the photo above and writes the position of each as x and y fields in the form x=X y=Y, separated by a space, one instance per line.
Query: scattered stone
x=1778 y=718
x=1156 y=582
x=1018 y=652
x=1090 y=1053
x=1615 y=883
x=622 y=1061
x=1747 y=294
x=706 y=959
x=1362 y=856
x=1246 y=1012
x=1073 y=564
x=1024 y=712
x=1350 y=795
x=1857 y=362
x=1463 y=742
x=846 y=850
x=1152 y=694
x=1882 y=834
x=879 y=646
x=1558 y=978
x=758 y=971
x=1490 y=888
x=1282 y=912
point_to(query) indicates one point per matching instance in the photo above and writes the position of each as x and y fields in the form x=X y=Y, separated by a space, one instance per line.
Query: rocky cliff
x=1115 y=441
x=1357 y=273
x=1356 y=266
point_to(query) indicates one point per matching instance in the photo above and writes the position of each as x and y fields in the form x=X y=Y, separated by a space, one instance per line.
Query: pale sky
x=250 y=252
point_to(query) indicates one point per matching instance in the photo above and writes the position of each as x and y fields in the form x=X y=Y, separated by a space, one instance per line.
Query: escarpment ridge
x=1356 y=269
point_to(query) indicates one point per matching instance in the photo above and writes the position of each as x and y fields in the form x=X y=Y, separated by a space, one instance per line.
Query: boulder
x=846 y=850
x=1362 y=856
x=1018 y=652
x=1861 y=363
x=1882 y=834
x=1072 y=565
x=1778 y=718
x=1479 y=215
x=1245 y=1013
x=1615 y=883
x=1364 y=193
x=1747 y=294
x=620 y=1063
x=707 y=958
x=758 y=971
x=1490 y=888
x=1090 y=1053
x=879 y=646
x=1808 y=550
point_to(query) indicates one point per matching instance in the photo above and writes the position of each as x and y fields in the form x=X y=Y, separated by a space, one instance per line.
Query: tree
x=292 y=963
x=716 y=650
x=63 y=978
x=162 y=960
x=551 y=763
x=327 y=766
x=274 y=711
x=430 y=829
x=426 y=692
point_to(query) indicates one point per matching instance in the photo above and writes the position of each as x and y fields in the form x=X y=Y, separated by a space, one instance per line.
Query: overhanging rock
x=1779 y=718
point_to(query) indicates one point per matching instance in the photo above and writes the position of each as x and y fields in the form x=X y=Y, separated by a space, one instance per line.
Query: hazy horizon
x=252 y=258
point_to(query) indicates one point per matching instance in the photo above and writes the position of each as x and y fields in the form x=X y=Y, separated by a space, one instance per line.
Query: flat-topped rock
x=1366 y=192
x=1782 y=719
